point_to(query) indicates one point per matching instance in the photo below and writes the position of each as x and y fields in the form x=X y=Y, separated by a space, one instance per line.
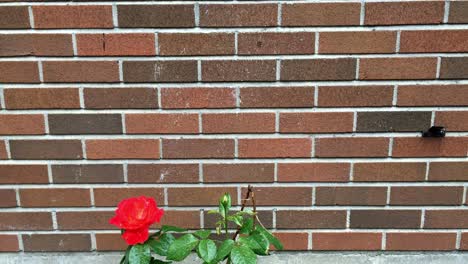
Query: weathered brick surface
x=36 y=45
x=174 y=98
x=347 y=241
x=42 y=98
x=237 y=15
x=72 y=16
x=14 y=17
x=110 y=98
x=321 y=14
x=115 y=44
x=414 y=12
x=318 y=69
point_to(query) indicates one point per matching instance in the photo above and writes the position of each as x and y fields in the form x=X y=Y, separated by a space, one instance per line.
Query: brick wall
x=318 y=104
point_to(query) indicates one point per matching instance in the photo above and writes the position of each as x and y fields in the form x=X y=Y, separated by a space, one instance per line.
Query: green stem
x=226 y=226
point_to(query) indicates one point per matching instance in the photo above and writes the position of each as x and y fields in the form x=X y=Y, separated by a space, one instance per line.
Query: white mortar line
x=357 y=68
x=433 y=115
x=439 y=61
x=310 y=245
x=2 y=99
x=31 y=16
x=196 y=11
x=236 y=147
x=316 y=96
x=314 y=146
x=74 y=44
x=91 y=195
x=464 y=195
x=46 y=123
x=156 y=43
x=125 y=173
x=202 y=219
x=423 y=218
x=166 y=197
x=426 y=176
x=390 y=147
x=20 y=242
x=8 y=151
x=389 y=195
x=317 y=43
x=384 y=241
x=351 y=172
x=82 y=98
x=236 y=43
x=314 y=195
x=199 y=71
x=274 y=219
x=275 y=173
x=40 y=70
x=124 y=127
x=50 y=174
x=83 y=148
x=238 y=97
x=355 y=119
x=18 y=197
x=446 y=11
x=395 y=96
x=93 y=241
x=348 y=219
x=363 y=13
x=121 y=75
x=458 y=240
x=278 y=70
x=54 y=220
x=280 y=14
x=159 y=97
x=115 y=15
x=398 y=41
x=200 y=173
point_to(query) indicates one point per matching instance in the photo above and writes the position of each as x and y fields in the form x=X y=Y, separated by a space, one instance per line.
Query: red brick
x=347 y=241
x=19 y=72
x=238 y=70
x=276 y=43
x=9 y=243
x=351 y=147
x=313 y=172
x=357 y=42
x=116 y=44
x=23 y=174
x=20 y=221
x=446 y=219
x=434 y=41
x=432 y=95
x=89 y=16
x=318 y=69
x=464 y=241
x=389 y=172
x=197 y=148
x=401 y=13
x=14 y=17
x=156 y=16
x=104 y=98
x=199 y=196
x=314 y=219
x=56 y=242
x=36 y=45
x=160 y=71
x=293 y=241
x=3 y=152
x=42 y=98
x=320 y=14
x=316 y=122
x=182 y=44
x=123 y=149
x=163 y=173
x=110 y=242
x=430 y=147
x=452 y=120
x=110 y=197
x=85 y=220
x=421 y=241
x=355 y=96
x=397 y=68
x=275 y=148
x=22 y=125
x=448 y=171
x=238 y=123
x=68 y=197
x=282 y=196
x=350 y=196
x=161 y=123
x=276 y=97
x=176 y=98
x=238 y=15
x=46 y=149
x=388 y=219
x=81 y=71
x=8 y=198
x=426 y=195
x=247 y=172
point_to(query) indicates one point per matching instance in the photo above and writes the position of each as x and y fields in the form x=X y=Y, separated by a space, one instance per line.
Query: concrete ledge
x=292 y=258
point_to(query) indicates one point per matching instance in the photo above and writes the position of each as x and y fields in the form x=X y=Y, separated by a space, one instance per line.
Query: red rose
x=135 y=216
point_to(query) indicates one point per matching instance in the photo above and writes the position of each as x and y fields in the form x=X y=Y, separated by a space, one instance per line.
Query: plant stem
x=244 y=202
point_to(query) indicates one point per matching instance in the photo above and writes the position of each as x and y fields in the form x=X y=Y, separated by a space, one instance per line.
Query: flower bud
x=225 y=204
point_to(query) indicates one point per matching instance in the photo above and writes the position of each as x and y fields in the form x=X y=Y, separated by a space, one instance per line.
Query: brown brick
x=81 y=71
x=318 y=69
x=14 y=17
x=458 y=13
x=421 y=241
x=464 y=241
x=355 y=96
x=104 y=98
x=163 y=173
x=316 y=219
x=140 y=44
x=110 y=242
x=238 y=123
x=351 y=147
x=320 y=14
x=316 y=122
x=454 y=68
x=20 y=221
x=46 y=149
x=112 y=196
x=197 y=148
x=123 y=149
x=357 y=42
x=66 y=124
x=448 y=171
x=282 y=196
x=426 y=195
x=389 y=172
x=183 y=44
x=36 y=45
x=247 y=172
x=23 y=174
x=397 y=68
x=85 y=220
x=8 y=198
x=433 y=95
x=22 y=125
x=266 y=217
x=67 y=197
x=3 y=152
x=276 y=97
x=199 y=196
x=88 y=173
x=393 y=121
x=434 y=41
x=452 y=120
x=19 y=72
x=347 y=241
x=401 y=13
x=293 y=240
x=88 y=16
x=430 y=147
x=238 y=15
x=313 y=172
x=238 y=70
x=156 y=16
x=187 y=219
x=176 y=98
x=9 y=243
x=276 y=43
x=453 y=219
x=160 y=71
x=42 y=98
x=402 y=219
x=275 y=148
x=161 y=123
x=56 y=242
x=351 y=195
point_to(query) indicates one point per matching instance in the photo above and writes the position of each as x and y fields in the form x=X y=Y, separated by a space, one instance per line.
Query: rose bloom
x=135 y=216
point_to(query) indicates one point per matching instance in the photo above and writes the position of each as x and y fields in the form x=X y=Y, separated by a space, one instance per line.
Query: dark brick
x=313 y=172
x=411 y=68
x=389 y=172
x=448 y=171
x=238 y=172
x=23 y=174
x=160 y=71
x=276 y=43
x=81 y=71
x=36 y=45
x=21 y=221
x=213 y=97
x=281 y=196
x=355 y=96
x=197 y=148
x=19 y=72
x=458 y=12
x=318 y=69
x=88 y=173
x=14 y=17
x=454 y=68
x=432 y=95
x=56 y=242
x=163 y=173
x=385 y=219
x=190 y=44
x=317 y=219
x=238 y=70
x=105 y=98
x=238 y=15
x=276 y=97
x=64 y=197
x=73 y=16
x=65 y=124
x=393 y=121
x=351 y=196
x=433 y=195
x=110 y=197
x=8 y=198
x=156 y=16
x=401 y=13
x=320 y=14
x=46 y=149
x=446 y=219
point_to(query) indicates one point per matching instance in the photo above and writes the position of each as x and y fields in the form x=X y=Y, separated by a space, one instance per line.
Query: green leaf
x=161 y=245
x=207 y=250
x=182 y=247
x=272 y=239
x=214 y=211
x=140 y=254
x=242 y=254
x=203 y=234
x=247 y=227
x=236 y=219
x=168 y=228
x=224 y=249
x=125 y=256
x=257 y=242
